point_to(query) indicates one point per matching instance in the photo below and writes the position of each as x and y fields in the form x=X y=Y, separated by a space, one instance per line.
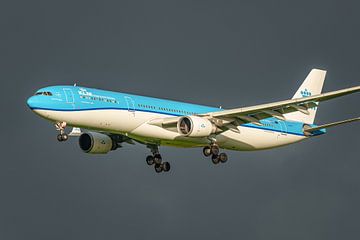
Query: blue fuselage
x=75 y=98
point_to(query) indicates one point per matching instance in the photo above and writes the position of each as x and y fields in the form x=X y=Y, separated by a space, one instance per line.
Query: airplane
x=105 y=120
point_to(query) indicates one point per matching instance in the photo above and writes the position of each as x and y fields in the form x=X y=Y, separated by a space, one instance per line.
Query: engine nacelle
x=96 y=143
x=192 y=126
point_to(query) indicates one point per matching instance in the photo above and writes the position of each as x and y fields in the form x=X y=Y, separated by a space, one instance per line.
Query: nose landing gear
x=156 y=160
x=62 y=136
x=214 y=151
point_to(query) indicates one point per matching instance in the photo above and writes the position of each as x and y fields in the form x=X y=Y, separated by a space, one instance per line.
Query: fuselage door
x=130 y=105
x=283 y=127
x=69 y=96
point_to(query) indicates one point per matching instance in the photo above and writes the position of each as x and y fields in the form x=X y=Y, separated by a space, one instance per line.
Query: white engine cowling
x=96 y=143
x=192 y=126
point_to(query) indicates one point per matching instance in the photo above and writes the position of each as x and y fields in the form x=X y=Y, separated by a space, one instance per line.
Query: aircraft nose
x=31 y=102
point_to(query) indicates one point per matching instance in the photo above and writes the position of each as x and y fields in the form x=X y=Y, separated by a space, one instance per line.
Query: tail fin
x=312 y=85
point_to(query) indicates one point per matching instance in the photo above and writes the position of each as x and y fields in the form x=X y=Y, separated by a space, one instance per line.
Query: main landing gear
x=156 y=160
x=214 y=151
x=62 y=136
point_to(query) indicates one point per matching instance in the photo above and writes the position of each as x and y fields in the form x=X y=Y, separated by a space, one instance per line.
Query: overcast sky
x=228 y=53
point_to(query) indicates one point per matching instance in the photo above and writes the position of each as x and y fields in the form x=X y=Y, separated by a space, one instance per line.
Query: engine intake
x=96 y=143
x=192 y=126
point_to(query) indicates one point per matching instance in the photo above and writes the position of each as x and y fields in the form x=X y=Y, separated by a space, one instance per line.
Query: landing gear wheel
x=215 y=159
x=150 y=160
x=64 y=137
x=207 y=151
x=59 y=138
x=214 y=150
x=158 y=168
x=157 y=158
x=223 y=157
x=165 y=166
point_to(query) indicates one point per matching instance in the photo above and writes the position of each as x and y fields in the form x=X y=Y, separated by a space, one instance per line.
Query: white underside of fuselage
x=135 y=125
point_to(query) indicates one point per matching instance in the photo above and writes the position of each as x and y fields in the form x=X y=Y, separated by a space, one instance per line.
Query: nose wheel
x=214 y=151
x=62 y=137
x=156 y=160
x=60 y=127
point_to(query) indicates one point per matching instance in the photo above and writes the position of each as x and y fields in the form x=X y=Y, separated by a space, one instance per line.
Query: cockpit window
x=43 y=93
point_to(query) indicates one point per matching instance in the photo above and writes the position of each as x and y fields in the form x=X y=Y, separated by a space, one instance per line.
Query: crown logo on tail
x=305 y=93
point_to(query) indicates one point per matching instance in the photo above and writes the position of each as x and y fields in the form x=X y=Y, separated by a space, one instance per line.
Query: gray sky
x=229 y=53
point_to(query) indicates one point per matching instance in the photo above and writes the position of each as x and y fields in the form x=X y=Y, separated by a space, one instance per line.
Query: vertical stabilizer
x=311 y=86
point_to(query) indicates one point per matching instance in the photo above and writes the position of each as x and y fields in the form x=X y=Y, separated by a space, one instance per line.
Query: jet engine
x=192 y=126
x=96 y=143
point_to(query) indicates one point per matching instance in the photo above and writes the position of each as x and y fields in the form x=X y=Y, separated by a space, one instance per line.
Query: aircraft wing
x=277 y=109
x=75 y=132
x=230 y=119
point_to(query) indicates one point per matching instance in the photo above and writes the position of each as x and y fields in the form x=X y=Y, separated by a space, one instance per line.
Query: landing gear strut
x=62 y=136
x=214 y=151
x=156 y=160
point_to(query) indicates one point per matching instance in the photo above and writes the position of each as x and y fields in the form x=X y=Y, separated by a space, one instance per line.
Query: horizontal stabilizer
x=310 y=130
